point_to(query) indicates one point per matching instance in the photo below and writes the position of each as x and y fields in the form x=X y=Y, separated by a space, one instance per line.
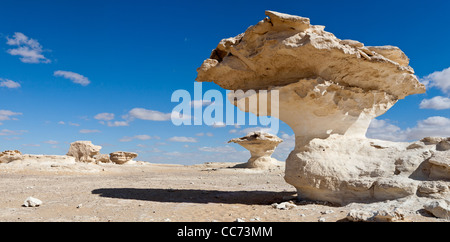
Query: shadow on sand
x=196 y=196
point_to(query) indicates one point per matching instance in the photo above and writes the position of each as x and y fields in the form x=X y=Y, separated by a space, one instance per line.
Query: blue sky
x=75 y=70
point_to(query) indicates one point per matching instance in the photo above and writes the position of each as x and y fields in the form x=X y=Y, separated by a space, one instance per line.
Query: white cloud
x=29 y=50
x=74 y=77
x=146 y=114
x=7 y=115
x=432 y=126
x=438 y=103
x=89 y=131
x=138 y=137
x=183 y=139
x=438 y=79
x=152 y=115
x=104 y=116
x=8 y=83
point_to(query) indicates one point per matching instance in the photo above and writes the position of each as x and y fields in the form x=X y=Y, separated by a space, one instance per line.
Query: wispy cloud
x=74 y=77
x=219 y=149
x=183 y=139
x=89 y=131
x=104 y=116
x=6 y=132
x=8 y=115
x=29 y=50
x=136 y=137
x=153 y=115
x=8 y=83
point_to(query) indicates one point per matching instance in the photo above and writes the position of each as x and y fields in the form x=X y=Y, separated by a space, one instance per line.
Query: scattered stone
x=239 y=220
x=389 y=215
x=327 y=212
x=322 y=220
x=439 y=208
x=284 y=205
x=32 y=202
x=384 y=215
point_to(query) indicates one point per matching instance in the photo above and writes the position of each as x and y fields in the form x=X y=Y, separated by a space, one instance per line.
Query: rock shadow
x=195 y=196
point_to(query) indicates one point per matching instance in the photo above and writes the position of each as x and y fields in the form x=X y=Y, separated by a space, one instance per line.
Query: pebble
x=321 y=219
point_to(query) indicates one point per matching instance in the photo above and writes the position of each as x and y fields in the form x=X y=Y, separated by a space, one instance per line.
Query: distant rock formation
x=261 y=146
x=84 y=151
x=9 y=155
x=121 y=157
x=329 y=92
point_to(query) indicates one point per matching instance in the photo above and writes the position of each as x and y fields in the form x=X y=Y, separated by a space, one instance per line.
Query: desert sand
x=145 y=192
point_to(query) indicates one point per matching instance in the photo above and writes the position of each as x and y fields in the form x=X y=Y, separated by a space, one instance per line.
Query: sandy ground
x=155 y=193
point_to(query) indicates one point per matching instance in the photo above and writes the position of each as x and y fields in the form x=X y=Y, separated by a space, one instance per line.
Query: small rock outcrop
x=10 y=155
x=121 y=157
x=84 y=151
x=439 y=208
x=261 y=146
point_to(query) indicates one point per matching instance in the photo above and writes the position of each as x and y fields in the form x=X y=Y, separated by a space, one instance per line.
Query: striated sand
x=155 y=193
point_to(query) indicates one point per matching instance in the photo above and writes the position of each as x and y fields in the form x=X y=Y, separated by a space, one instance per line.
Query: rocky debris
x=10 y=155
x=261 y=146
x=384 y=215
x=121 y=157
x=32 y=202
x=439 y=208
x=284 y=205
x=84 y=151
x=329 y=92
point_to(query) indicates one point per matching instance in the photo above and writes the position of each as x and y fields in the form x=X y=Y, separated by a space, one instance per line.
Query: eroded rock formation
x=329 y=92
x=261 y=146
x=10 y=155
x=84 y=151
x=121 y=157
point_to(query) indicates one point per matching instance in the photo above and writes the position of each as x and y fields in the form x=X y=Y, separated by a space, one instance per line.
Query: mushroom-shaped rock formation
x=121 y=157
x=261 y=146
x=84 y=151
x=329 y=92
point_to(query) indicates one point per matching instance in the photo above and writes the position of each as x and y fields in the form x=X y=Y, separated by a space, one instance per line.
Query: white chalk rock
x=32 y=202
x=84 y=151
x=261 y=146
x=121 y=157
x=329 y=92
